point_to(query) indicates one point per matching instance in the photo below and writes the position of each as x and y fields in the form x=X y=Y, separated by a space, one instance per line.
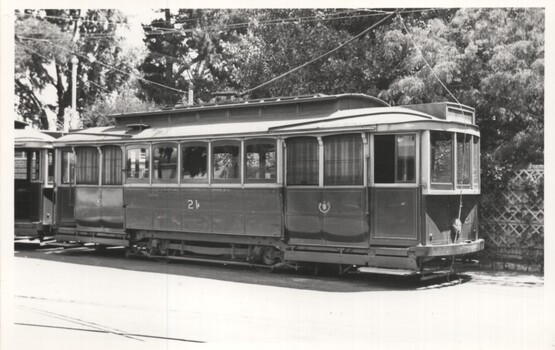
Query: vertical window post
x=320 y=162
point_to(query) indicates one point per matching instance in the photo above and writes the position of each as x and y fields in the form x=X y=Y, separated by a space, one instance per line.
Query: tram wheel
x=270 y=255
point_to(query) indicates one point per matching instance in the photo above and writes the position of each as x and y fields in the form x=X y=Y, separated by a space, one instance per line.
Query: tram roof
x=32 y=138
x=352 y=119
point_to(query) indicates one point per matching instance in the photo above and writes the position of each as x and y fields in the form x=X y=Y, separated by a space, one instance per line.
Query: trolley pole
x=74 y=62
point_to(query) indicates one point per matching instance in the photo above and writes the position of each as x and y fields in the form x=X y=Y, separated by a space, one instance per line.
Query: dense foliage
x=488 y=58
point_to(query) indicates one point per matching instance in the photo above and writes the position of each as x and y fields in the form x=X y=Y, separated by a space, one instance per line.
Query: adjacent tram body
x=342 y=179
x=33 y=184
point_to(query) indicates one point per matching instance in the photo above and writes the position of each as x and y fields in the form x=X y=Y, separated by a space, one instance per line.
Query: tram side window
x=68 y=164
x=463 y=159
x=441 y=157
x=50 y=170
x=164 y=159
x=394 y=158
x=226 y=161
x=194 y=162
x=343 y=160
x=302 y=161
x=476 y=161
x=111 y=165
x=34 y=157
x=260 y=160
x=138 y=164
x=20 y=165
x=86 y=167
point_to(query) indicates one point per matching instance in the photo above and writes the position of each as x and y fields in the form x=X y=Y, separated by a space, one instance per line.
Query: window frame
x=103 y=165
x=444 y=185
x=200 y=181
x=238 y=181
x=319 y=152
x=99 y=162
x=362 y=159
x=142 y=181
x=176 y=178
x=417 y=159
x=71 y=167
x=246 y=143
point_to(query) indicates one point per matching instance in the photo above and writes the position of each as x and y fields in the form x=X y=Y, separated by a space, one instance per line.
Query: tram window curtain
x=343 y=160
x=226 y=161
x=164 y=159
x=138 y=164
x=302 y=161
x=441 y=150
x=111 y=165
x=86 y=168
x=463 y=160
x=260 y=160
x=194 y=162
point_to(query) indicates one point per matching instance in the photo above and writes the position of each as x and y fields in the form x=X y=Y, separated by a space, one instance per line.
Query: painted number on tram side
x=193 y=204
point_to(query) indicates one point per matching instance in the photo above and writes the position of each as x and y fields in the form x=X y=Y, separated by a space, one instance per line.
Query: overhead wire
x=319 y=57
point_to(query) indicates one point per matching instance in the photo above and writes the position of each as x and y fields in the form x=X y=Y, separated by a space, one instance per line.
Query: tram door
x=65 y=191
x=393 y=190
x=325 y=200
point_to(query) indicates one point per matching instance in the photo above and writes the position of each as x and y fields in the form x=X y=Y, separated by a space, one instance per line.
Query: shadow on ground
x=328 y=279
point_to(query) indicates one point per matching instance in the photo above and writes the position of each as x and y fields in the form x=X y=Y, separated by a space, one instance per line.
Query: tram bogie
x=342 y=179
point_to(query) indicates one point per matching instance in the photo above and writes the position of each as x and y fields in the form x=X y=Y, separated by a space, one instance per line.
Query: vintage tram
x=328 y=179
x=33 y=183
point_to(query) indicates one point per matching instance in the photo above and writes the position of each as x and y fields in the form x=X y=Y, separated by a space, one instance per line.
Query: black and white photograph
x=244 y=175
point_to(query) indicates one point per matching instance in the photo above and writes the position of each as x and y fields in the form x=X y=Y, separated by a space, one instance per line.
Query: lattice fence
x=512 y=220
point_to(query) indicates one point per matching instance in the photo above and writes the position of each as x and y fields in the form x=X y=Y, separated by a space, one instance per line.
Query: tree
x=491 y=59
x=188 y=48
x=46 y=40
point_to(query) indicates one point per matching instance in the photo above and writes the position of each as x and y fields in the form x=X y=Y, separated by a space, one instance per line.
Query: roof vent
x=135 y=128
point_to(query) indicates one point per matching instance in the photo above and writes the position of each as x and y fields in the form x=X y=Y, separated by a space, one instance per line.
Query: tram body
x=342 y=179
x=33 y=184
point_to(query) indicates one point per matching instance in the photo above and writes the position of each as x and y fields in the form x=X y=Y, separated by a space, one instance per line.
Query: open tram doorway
x=394 y=191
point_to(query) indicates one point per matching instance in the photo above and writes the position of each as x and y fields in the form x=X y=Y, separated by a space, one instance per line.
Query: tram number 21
x=193 y=204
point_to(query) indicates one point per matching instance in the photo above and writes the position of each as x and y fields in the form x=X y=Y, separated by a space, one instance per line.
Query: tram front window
x=442 y=157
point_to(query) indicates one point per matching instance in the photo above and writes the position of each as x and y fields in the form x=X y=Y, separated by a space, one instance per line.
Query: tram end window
x=164 y=159
x=441 y=152
x=260 y=161
x=137 y=164
x=226 y=161
x=464 y=154
x=302 y=161
x=194 y=162
x=476 y=162
x=394 y=159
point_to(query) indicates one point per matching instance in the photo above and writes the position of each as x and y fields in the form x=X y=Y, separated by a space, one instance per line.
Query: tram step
x=385 y=271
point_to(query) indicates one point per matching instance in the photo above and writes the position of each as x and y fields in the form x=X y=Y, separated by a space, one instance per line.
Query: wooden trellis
x=513 y=226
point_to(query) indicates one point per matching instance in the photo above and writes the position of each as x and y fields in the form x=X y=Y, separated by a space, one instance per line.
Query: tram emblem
x=324 y=207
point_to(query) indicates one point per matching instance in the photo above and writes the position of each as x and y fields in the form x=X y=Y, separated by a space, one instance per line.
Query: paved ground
x=79 y=298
